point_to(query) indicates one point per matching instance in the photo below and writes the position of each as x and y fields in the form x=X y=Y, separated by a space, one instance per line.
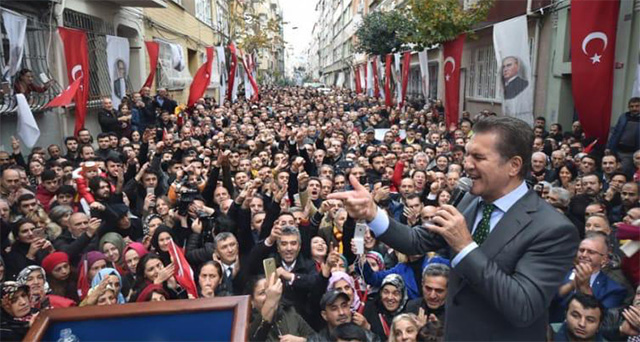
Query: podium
x=203 y=319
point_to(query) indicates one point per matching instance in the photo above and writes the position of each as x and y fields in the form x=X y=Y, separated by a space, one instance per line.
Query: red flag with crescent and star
x=593 y=40
x=201 y=79
x=452 y=61
x=76 y=53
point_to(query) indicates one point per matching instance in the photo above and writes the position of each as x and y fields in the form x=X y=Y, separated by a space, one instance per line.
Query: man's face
x=414 y=204
x=434 y=291
x=485 y=166
x=587 y=165
x=28 y=206
x=407 y=187
x=84 y=136
x=509 y=68
x=51 y=185
x=557 y=159
x=87 y=153
x=597 y=223
x=150 y=180
x=634 y=107
x=104 y=191
x=338 y=312
x=289 y=247
x=629 y=195
x=591 y=185
x=538 y=162
x=54 y=152
x=227 y=250
x=378 y=164
x=5 y=158
x=107 y=104
x=582 y=323
x=113 y=168
x=104 y=143
x=593 y=252
x=11 y=180
x=609 y=164
x=78 y=224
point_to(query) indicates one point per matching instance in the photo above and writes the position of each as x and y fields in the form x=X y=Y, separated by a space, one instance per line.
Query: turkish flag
x=77 y=57
x=376 y=85
x=593 y=40
x=406 y=64
x=201 y=79
x=183 y=272
x=153 y=50
x=64 y=99
x=248 y=67
x=387 y=80
x=357 y=76
x=232 y=70
x=452 y=61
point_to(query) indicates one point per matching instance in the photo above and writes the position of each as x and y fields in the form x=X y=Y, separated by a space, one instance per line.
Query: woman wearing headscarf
x=16 y=316
x=390 y=302
x=153 y=293
x=160 y=243
x=40 y=293
x=112 y=246
x=113 y=279
x=63 y=279
x=151 y=270
x=90 y=264
x=131 y=256
x=343 y=282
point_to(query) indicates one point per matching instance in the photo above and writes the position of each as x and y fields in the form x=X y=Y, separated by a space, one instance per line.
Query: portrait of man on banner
x=119 y=78
x=513 y=77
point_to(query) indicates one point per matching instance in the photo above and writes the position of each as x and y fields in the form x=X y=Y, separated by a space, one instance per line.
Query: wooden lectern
x=203 y=319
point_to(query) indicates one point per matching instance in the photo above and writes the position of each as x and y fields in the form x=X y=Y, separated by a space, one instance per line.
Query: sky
x=300 y=14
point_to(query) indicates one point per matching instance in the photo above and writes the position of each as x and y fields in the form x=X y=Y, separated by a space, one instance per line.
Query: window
x=97 y=29
x=482 y=74
x=203 y=11
x=168 y=76
x=433 y=80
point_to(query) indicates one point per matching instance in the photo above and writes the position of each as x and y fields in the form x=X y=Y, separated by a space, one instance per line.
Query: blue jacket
x=614 y=139
x=402 y=269
x=606 y=290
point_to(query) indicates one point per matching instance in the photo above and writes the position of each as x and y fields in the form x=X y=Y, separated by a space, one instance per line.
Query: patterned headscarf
x=24 y=274
x=339 y=275
x=396 y=280
x=9 y=289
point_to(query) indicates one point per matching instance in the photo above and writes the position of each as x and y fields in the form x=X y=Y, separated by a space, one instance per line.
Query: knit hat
x=89 y=166
x=93 y=257
x=54 y=259
x=377 y=257
x=146 y=293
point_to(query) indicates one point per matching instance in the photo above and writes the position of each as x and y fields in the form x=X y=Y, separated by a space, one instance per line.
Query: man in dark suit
x=509 y=248
x=513 y=83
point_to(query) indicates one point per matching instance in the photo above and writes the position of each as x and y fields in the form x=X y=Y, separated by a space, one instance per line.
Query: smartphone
x=363 y=180
x=151 y=191
x=358 y=237
x=386 y=182
x=269 y=267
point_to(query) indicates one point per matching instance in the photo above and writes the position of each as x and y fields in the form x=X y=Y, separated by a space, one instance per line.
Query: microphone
x=462 y=187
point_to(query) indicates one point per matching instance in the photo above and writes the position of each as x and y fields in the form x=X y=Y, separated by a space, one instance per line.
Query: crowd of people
x=91 y=221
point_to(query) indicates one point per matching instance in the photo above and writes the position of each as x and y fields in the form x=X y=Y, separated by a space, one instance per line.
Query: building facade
x=549 y=42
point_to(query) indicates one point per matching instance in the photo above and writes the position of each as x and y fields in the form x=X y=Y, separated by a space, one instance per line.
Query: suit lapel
x=510 y=225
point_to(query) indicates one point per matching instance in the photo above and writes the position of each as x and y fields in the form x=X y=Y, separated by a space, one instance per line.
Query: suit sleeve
x=411 y=241
x=523 y=296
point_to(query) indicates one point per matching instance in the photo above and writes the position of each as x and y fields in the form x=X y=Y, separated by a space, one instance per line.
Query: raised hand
x=358 y=202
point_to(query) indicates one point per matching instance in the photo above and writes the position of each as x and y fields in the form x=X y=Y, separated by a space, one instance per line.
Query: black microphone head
x=464 y=184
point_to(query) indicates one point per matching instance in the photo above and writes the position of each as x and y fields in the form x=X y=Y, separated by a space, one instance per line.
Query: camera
x=187 y=196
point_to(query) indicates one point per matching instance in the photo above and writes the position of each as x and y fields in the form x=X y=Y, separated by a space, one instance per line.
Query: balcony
x=141 y=3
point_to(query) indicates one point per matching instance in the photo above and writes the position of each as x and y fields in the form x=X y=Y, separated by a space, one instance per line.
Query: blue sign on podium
x=212 y=319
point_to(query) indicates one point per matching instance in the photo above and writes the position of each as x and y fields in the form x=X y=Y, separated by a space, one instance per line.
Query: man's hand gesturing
x=358 y=202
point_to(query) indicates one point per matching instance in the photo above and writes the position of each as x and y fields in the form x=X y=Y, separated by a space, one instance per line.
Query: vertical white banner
x=222 y=68
x=16 y=27
x=118 y=62
x=398 y=76
x=381 y=75
x=635 y=91
x=424 y=73
x=515 y=84
x=369 y=77
x=27 y=128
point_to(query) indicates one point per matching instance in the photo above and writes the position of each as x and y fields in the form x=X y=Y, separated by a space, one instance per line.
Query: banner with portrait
x=515 y=85
x=118 y=62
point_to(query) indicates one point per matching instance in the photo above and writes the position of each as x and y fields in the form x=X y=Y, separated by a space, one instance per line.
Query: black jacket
x=75 y=247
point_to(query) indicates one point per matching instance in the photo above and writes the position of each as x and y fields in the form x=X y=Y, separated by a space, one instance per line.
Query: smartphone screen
x=269 y=267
